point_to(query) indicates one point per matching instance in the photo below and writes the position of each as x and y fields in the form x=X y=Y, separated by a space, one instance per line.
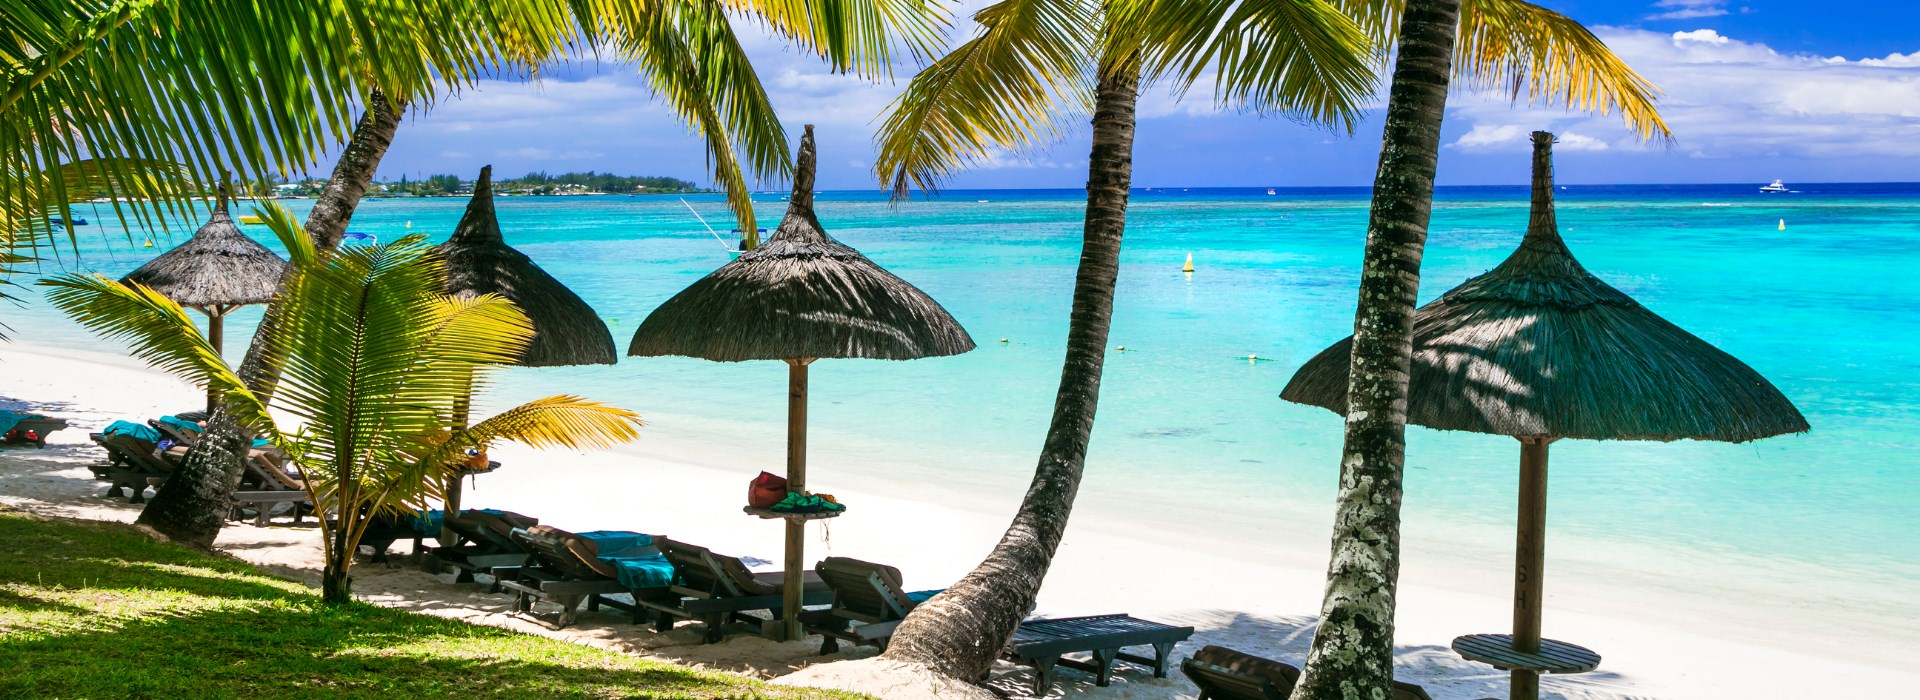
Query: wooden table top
x=1554 y=656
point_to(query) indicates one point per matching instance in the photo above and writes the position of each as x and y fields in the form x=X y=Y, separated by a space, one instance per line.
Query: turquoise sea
x=1828 y=309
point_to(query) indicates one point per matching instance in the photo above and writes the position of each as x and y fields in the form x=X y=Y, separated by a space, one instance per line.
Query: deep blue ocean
x=1828 y=308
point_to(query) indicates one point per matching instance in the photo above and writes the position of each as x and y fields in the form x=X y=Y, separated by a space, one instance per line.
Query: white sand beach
x=1252 y=586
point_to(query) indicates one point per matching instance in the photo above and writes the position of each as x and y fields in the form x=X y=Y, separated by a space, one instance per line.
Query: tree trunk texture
x=960 y=632
x=192 y=505
x=1352 y=653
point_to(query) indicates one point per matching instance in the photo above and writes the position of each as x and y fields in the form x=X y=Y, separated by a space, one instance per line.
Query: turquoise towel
x=642 y=570
x=617 y=542
x=8 y=419
x=919 y=597
x=134 y=430
x=185 y=426
x=262 y=442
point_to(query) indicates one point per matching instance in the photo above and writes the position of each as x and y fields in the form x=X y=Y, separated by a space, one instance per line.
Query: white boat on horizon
x=1775 y=188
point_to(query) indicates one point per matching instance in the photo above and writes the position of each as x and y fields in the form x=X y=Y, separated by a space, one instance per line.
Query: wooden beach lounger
x=1044 y=644
x=131 y=462
x=40 y=428
x=568 y=568
x=868 y=603
x=485 y=543
x=714 y=588
x=1225 y=674
x=265 y=484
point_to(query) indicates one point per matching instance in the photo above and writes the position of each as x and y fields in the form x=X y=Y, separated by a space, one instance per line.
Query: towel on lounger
x=133 y=430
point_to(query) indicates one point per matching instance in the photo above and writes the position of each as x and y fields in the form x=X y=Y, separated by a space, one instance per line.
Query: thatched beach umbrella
x=1540 y=349
x=216 y=271
x=565 y=330
x=799 y=297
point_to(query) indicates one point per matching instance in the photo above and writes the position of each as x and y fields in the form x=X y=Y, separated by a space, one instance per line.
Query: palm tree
x=1506 y=43
x=373 y=356
x=234 y=96
x=1035 y=64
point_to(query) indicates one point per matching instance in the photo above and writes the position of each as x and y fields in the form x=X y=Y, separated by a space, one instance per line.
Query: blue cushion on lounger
x=133 y=430
x=185 y=426
x=919 y=597
x=8 y=419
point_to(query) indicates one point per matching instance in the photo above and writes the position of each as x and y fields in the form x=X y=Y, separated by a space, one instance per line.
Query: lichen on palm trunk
x=959 y=633
x=192 y=505
x=1352 y=653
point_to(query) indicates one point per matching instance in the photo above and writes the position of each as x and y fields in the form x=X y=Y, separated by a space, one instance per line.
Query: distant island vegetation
x=534 y=183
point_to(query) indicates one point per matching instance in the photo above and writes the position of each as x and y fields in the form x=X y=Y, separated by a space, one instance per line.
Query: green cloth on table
x=796 y=502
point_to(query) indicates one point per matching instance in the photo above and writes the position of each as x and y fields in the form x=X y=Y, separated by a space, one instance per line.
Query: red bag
x=766 y=490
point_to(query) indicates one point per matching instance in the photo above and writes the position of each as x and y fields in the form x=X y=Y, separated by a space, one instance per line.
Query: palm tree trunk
x=1352 y=653
x=192 y=505
x=960 y=632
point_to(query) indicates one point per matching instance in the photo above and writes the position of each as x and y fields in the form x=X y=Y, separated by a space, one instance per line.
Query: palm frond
x=556 y=421
x=1518 y=48
x=1303 y=58
x=159 y=332
x=1013 y=86
x=852 y=35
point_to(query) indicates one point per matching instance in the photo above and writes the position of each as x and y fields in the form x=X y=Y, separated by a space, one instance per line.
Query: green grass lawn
x=96 y=610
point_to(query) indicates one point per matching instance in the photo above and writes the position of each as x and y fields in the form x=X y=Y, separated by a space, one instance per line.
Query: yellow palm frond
x=1518 y=48
x=853 y=35
x=1014 y=86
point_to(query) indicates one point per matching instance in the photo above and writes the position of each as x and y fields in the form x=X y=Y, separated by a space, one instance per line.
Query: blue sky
x=1808 y=92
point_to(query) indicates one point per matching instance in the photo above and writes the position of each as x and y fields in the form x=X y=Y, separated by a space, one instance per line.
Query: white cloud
x=1724 y=97
x=1688 y=9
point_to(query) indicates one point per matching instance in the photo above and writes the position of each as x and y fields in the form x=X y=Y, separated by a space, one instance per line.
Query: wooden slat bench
x=1044 y=644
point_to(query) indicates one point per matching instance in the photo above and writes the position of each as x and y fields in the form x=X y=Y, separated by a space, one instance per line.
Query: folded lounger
x=568 y=568
x=1044 y=643
x=714 y=588
x=868 y=602
x=1225 y=674
x=485 y=543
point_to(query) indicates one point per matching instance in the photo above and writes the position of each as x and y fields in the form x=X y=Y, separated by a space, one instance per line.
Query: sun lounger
x=264 y=484
x=568 y=569
x=385 y=529
x=1225 y=674
x=714 y=588
x=131 y=461
x=484 y=543
x=868 y=602
x=1044 y=644
x=29 y=428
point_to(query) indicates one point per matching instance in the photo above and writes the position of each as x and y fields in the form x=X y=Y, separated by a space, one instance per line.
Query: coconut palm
x=264 y=89
x=1035 y=65
x=1521 y=49
x=373 y=356
x=218 y=86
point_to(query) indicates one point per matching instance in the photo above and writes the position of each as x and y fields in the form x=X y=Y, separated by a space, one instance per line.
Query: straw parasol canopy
x=218 y=268
x=798 y=297
x=801 y=294
x=216 y=271
x=479 y=261
x=1539 y=349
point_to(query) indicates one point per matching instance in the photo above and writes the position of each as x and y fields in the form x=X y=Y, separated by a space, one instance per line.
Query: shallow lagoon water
x=1828 y=309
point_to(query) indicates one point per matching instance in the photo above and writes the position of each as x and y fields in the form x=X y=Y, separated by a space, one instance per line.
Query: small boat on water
x=57 y=221
x=1775 y=188
x=359 y=237
x=1270 y=191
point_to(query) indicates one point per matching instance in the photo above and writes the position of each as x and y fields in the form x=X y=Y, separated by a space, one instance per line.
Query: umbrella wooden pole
x=451 y=508
x=796 y=482
x=216 y=319
x=1530 y=559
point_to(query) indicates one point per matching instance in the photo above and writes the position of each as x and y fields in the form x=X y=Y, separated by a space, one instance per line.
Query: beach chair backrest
x=267 y=464
x=491 y=530
x=864 y=591
x=174 y=433
x=566 y=553
x=136 y=452
x=1225 y=674
x=715 y=575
